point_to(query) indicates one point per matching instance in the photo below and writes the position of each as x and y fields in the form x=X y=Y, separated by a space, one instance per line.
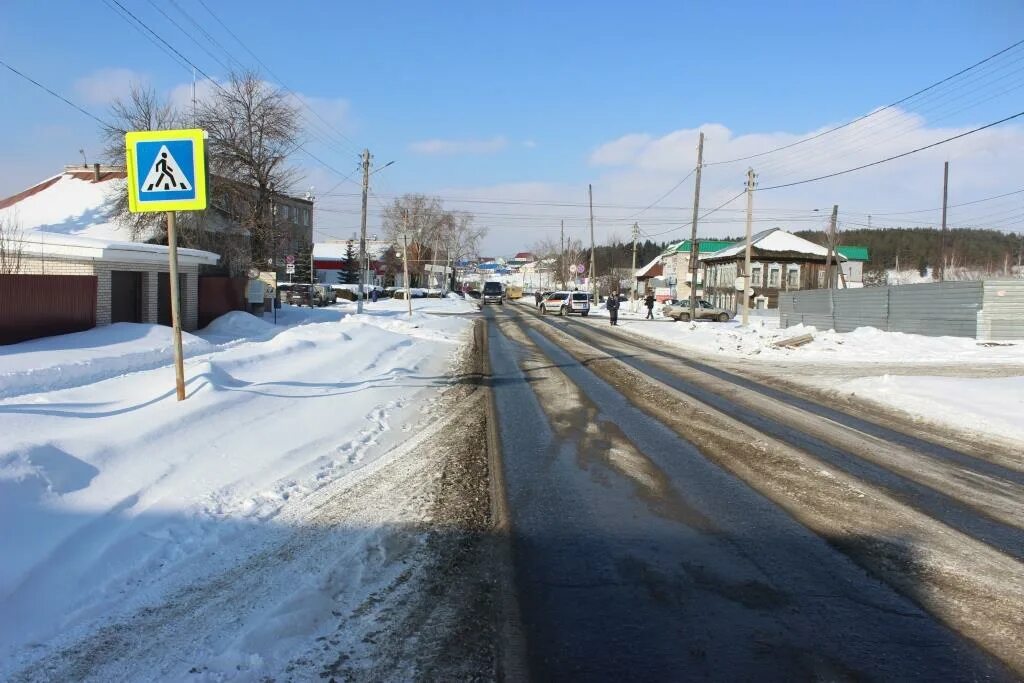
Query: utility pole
x=945 y=198
x=636 y=235
x=405 y=259
x=362 y=230
x=746 y=256
x=694 y=250
x=831 y=245
x=593 y=281
x=561 y=259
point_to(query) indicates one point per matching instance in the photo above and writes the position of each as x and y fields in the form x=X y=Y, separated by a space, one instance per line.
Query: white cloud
x=105 y=85
x=633 y=170
x=454 y=147
x=529 y=144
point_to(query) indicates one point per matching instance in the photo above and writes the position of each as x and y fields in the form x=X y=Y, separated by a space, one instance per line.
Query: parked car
x=305 y=294
x=493 y=294
x=705 y=311
x=564 y=303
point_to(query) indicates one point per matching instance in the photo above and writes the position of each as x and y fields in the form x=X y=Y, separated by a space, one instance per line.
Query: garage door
x=125 y=296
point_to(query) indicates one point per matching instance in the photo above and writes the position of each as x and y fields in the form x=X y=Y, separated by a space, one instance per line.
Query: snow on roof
x=335 y=251
x=40 y=243
x=643 y=272
x=68 y=204
x=775 y=239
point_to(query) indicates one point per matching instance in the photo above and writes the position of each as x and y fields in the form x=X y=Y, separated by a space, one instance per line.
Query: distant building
x=780 y=262
x=853 y=266
x=520 y=260
x=676 y=269
x=329 y=260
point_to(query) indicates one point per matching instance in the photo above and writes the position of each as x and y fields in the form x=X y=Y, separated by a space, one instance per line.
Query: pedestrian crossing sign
x=166 y=170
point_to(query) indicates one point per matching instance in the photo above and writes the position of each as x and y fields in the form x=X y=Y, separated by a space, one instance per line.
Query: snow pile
x=80 y=358
x=115 y=497
x=863 y=345
x=991 y=405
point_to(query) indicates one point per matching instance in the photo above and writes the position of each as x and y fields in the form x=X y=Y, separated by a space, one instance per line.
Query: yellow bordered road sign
x=166 y=170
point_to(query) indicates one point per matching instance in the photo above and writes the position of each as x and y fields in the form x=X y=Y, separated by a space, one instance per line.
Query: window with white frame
x=793 y=277
x=756 y=276
x=774 y=273
x=821 y=279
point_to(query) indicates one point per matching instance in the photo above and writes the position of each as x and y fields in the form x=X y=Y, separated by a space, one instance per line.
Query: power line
x=55 y=94
x=656 y=201
x=278 y=78
x=894 y=157
x=872 y=113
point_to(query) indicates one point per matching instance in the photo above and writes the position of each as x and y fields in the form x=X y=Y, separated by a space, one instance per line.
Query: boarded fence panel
x=936 y=308
x=219 y=295
x=1002 y=315
x=33 y=306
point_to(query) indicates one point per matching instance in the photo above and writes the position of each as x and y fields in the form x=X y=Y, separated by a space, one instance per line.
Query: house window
x=755 y=277
x=821 y=279
x=793 y=278
x=773 y=276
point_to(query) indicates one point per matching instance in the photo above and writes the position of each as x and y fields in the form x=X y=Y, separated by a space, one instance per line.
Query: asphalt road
x=674 y=522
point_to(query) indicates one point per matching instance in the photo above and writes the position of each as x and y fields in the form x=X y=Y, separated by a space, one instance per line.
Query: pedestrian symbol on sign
x=165 y=175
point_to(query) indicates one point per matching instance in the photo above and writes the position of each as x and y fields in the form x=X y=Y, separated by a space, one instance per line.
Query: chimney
x=95 y=173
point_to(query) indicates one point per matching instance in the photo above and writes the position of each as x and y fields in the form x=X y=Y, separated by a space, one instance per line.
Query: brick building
x=131 y=280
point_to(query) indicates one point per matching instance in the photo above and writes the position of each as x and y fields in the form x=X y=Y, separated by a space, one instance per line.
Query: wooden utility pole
x=405 y=259
x=561 y=258
x=593 y=281
x=945 y=199
x=362 y=231
x=831 y=245
x=694 y=249
x=746 y=256
x=172 y=251
x=636 y=236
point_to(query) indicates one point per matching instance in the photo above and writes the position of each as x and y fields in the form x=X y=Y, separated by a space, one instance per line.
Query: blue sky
x=513 y=100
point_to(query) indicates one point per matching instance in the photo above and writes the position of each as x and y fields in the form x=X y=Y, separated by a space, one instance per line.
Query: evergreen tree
x=303 y=263
x=349 y=273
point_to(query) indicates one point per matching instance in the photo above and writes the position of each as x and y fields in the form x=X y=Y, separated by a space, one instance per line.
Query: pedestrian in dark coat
x=374 y=294
x=649 y=303
x=537 y=296
x=612 y=304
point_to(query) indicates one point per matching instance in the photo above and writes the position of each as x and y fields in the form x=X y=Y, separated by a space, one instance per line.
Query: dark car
x=303 y=294
x=494 y=293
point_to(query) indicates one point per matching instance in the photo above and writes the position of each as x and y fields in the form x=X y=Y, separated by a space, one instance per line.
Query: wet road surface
x=637 y=556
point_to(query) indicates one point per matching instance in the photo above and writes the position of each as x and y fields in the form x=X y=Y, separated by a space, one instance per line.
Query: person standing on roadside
x=612 y=304
x=649 y=303
x=537 y=296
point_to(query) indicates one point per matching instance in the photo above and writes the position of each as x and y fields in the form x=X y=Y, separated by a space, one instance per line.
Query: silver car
x=705 y=311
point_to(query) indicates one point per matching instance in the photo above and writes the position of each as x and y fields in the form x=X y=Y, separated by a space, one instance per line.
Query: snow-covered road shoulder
x=116 y=500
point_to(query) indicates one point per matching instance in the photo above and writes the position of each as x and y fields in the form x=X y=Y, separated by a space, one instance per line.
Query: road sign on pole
x=167 y=173
x=289 y=268
x=166 y=170
x=290 y=260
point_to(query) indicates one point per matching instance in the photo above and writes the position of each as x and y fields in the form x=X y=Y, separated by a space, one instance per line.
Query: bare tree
x=564 y=259
x=142 y=110
x=435 y=235
x=10 y=244
x=252 y=128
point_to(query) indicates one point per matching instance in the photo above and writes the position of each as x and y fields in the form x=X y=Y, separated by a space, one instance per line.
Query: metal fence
x=990 y=310
x=33 y=306
x=219 y=295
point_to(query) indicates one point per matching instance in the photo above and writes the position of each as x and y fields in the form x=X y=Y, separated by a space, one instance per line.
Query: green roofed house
x=853 y=266
x=676 y=264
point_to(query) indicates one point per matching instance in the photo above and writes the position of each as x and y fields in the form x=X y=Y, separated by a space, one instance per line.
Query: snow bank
x=115 y=497
x=990 y=405
x=80 y=358
x=863 y=345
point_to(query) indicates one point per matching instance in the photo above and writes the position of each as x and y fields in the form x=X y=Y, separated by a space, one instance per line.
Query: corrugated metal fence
x=985 y=309
x=219 y=295
x=33 y=306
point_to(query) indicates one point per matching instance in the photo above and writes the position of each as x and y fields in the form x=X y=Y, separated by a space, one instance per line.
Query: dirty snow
x=113 y=495
x=991 y=405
